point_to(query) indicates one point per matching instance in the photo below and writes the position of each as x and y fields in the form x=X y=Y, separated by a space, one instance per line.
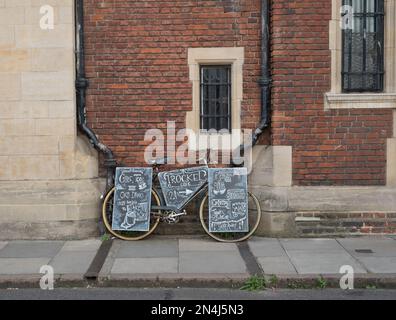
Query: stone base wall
x=57 y=209
x=58 y=230
x=326 y=211
x=49 y=186
x=292 y=211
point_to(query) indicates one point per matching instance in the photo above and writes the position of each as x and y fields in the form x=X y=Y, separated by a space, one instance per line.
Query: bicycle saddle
x=160 y=161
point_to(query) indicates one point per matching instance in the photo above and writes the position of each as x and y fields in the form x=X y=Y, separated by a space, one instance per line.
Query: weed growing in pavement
x=255 y=283
x=105 y=237
x=371 y=287
x=321 y=283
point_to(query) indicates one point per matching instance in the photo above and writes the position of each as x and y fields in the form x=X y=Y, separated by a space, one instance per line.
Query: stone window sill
x=214 y=141
x=360 y=101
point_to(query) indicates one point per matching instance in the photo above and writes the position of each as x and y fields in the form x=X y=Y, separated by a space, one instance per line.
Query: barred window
x=363 y=47
x=215 y=97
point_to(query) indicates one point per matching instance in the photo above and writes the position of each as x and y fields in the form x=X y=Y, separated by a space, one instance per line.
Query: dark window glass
x=215 y=97
x=363 y=47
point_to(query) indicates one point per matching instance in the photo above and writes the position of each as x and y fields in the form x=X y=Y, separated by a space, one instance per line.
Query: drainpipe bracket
x=82 y=83
x=264 y=82
x=110 y=163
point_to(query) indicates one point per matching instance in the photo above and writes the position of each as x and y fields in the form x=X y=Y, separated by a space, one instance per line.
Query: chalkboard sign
x=228 y=200
x=132 y=199
x=179 y=186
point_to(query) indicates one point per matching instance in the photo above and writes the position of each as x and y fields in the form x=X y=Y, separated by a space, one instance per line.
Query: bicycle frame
x=175 y=210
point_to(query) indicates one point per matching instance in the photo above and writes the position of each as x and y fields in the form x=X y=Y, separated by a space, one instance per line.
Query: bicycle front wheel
x=254 y=217
x=107 y=215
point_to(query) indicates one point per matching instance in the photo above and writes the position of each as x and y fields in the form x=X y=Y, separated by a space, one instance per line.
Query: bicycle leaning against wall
x=161 y=211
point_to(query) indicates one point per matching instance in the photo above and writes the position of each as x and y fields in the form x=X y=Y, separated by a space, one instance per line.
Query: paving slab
x=379 y=264
x=312 y=245
x=23 y=266
x=205 y=245
x=31 y=249
x=83 y=245
x=3 y=244
x=72 y=262
x=148 y=249
x=211 y=262
x=266 y=248
x=380 y=247
x=276 y=265
x=145 y=265
x=323 y=263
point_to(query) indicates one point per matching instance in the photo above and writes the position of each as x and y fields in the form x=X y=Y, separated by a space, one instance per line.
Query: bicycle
x=161 y=212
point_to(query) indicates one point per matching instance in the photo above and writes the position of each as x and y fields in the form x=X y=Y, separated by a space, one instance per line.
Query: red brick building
x=326 y=161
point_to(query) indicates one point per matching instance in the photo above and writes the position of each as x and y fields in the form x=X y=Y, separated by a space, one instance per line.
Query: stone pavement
x=22 y=260
x=174 y=259
x=179 y=260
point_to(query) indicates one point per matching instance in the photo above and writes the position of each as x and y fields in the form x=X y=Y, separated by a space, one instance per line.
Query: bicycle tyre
x=107 y=214
x=254 y=221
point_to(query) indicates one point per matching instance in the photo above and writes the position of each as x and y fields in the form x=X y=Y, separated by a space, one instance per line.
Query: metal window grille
x=363 y=47
x=215 y=97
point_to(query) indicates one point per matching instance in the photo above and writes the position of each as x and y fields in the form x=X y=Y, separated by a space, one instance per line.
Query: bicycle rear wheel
x=107 y=215
x=254 y=217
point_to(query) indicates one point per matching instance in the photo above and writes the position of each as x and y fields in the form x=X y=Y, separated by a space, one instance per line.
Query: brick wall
x=339 y=147
x=139 y=79
x=136 y=56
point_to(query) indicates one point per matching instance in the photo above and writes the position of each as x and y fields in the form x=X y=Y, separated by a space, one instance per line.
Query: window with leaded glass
x=363 y=47
x=215 y=93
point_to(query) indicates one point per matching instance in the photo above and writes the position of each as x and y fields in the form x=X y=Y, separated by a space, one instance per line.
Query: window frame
x=378 y=22
x=234 y=56
x=335 y=98
x=228 y=68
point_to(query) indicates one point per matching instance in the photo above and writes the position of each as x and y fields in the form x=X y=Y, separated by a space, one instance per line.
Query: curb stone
x=380 y=281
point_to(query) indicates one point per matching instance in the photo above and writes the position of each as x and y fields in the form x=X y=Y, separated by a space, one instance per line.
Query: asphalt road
x=193 y=294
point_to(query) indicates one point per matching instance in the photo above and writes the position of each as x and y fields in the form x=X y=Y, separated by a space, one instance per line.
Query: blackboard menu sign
x=228 y=200
x=179 y=186
x=132 y=199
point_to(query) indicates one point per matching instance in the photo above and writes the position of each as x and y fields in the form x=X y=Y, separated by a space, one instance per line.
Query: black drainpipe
x=264 y=81
x=81 y=88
